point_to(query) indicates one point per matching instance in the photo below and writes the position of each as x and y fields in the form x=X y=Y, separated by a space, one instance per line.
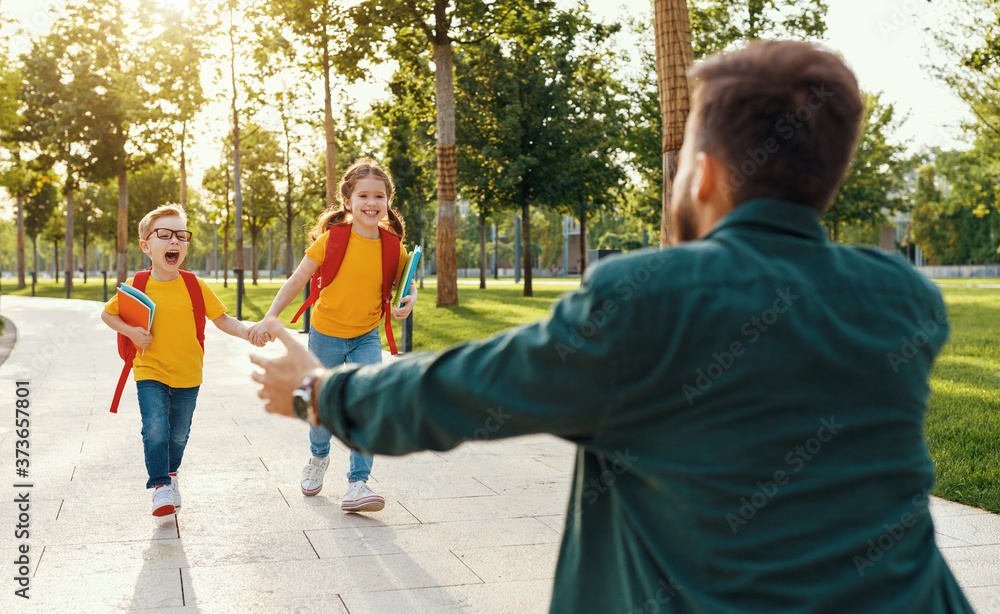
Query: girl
x=346 y=318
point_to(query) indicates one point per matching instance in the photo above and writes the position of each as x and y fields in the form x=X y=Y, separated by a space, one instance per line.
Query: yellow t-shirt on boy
x=351 y=305
x=174 y=357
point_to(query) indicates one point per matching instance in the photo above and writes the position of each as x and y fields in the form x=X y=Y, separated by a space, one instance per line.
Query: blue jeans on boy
x=364 y=349
x=166 y=423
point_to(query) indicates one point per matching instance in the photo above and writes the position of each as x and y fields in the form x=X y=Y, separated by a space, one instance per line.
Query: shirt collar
x=777 y=215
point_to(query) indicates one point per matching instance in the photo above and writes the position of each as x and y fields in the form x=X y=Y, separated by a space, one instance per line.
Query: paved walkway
x=461 y=532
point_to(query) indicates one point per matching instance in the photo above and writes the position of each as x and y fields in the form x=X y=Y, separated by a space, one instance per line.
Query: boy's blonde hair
x=146 y=223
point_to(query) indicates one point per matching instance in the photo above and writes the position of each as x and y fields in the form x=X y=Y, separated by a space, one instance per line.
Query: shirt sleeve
x=317 y=251
x=213 y=306
x=112 y=305
x=543 y=377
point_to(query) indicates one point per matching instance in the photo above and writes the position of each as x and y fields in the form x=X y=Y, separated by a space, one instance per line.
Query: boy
x=169 y=371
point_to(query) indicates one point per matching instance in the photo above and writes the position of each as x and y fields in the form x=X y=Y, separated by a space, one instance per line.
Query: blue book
x=409 y=270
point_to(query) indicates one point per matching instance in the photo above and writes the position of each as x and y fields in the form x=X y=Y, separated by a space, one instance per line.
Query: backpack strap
x=336 y=248
x=197 y=304
x=126 y=349
x=390 y=262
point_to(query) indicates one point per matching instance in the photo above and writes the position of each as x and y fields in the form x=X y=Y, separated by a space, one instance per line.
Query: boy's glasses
x=166 y=233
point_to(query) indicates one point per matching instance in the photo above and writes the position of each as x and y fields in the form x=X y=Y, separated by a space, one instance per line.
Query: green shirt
x=748 y=412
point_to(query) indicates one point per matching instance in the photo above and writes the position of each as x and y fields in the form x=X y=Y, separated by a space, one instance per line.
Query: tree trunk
x=84 y=254
x=225 y=254
x=289 y=251
x=288 y=202
x=122 y=226
x=237 y=193
x=482 y=251
x=69 y=236
x=20 y=242
x=583 y=243
x=673 y=57
x=184 y=185
x=526 y=257
x=253 y=255
x=331 y=137
x=447 y=274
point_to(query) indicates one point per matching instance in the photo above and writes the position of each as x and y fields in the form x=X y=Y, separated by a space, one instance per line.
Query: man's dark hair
x=783 y=116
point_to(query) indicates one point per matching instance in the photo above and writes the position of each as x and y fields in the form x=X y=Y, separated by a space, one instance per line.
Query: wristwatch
x=302 y=396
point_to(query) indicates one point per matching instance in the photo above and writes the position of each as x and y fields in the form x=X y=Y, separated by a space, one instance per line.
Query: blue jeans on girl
x=364 y=349
x=166 y=423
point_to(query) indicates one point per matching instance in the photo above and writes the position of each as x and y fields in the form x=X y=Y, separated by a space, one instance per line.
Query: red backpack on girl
x=336 y=248
x=126 y=349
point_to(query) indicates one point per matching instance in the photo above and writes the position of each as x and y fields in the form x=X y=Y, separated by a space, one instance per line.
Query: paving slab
x=474 y=529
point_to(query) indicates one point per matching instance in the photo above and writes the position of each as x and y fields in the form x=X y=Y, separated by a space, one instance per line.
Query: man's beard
x=684 y=217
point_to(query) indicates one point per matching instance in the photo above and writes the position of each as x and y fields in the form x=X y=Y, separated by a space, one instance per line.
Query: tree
x=14 y=175
x=40 y=207
x=872 y=186
x=540 y=119
x=956 y=218
x=262 y=158
x=475 y=19
x=673 y=57
x=183 y=44
x=218 y=183
x=102 y=51
x=336 y=38
x=970 y=40
x=57 y=98
x=408 y=118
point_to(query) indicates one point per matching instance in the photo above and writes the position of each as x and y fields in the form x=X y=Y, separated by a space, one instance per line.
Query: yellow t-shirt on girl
x=174 y=357
x=351 y=305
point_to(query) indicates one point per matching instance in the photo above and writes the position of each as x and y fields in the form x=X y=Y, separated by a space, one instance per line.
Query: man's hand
x=281 y=376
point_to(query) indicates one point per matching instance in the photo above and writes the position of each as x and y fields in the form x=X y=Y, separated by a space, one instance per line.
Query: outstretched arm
x=289 y=290
x=232 y=326
x=542 y=378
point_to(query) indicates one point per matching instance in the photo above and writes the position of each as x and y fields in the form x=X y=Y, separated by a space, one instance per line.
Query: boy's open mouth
x=172 y=256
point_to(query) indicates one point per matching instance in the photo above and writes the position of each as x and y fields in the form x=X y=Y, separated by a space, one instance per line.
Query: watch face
x=300 y=405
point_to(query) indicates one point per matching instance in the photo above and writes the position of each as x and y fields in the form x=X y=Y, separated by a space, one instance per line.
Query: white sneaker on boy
x=176 y=487
x=360 y=498
x=312 y=475
x=163 y=501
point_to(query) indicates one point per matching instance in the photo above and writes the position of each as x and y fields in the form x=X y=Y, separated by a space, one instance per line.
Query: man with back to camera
x=748 y=406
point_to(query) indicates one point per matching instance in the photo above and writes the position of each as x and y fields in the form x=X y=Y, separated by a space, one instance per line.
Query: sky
x=883 y=41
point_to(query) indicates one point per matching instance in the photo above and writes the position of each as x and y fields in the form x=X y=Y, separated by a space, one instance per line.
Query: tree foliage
x=873 y=185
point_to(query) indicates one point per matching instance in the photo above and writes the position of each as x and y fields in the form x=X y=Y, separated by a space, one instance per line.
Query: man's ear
x=706 y=177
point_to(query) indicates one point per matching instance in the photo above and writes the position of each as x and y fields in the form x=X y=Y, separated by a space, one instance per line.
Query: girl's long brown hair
x=340 y=216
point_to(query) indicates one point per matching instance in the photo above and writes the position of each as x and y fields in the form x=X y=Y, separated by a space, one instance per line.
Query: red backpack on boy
x=336 y=248
x=126 y=349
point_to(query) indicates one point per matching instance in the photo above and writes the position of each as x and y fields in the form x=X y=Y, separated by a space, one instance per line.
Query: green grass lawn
x=963 y=418
x=967 y=281
x=963 y=421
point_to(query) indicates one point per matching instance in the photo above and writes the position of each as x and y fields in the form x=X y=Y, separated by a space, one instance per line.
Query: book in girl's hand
x=135 y=308
x=409 y=270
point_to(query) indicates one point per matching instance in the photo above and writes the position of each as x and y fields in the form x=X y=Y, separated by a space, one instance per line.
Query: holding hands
x=258 y=334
